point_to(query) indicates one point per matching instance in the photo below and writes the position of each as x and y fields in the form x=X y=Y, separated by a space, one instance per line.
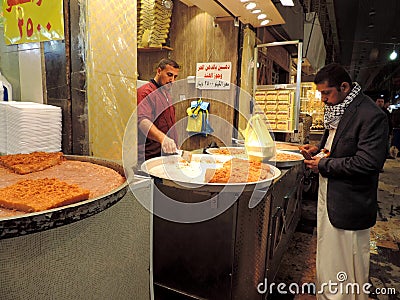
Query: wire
x=368 y=42
x=281 y=36
x=311 y=31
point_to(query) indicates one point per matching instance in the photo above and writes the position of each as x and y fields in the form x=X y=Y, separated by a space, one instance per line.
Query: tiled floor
x=298 y=264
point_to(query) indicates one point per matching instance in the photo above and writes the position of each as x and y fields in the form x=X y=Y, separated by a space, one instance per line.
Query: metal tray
x=174 y=169
x=284 y=146
x=240 y=152
x=288 y=163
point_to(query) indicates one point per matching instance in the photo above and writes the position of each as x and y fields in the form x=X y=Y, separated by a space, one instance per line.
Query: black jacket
x=358 y=152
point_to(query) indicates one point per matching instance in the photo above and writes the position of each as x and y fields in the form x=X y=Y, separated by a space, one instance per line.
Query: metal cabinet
x=228 y=256
x=285 y=214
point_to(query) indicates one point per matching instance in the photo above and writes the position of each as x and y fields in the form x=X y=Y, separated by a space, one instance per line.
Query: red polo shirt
x=154 y=104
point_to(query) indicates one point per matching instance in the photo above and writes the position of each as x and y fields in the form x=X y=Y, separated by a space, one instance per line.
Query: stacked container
x=27 y=127
x=154 y=18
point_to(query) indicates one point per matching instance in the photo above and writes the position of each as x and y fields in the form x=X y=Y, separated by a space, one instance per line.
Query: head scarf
x=333 y=114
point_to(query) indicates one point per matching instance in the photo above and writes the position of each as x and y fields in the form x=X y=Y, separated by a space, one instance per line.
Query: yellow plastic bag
x=257 y=139
x=195 y=123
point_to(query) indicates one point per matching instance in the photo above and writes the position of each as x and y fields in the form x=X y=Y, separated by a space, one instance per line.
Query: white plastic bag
x=257 y=139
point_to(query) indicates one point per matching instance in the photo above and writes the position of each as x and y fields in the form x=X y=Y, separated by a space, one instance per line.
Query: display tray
x=286 y=158
x=239 y=152
x=15 y=223
x=285 y=146
x=288 y=146
x=174 y=168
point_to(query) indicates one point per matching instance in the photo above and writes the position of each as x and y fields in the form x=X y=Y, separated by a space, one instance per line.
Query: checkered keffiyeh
x=333 y=114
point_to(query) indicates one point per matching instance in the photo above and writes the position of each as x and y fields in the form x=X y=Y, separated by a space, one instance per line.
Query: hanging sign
x=31 y=21
x=213 y=75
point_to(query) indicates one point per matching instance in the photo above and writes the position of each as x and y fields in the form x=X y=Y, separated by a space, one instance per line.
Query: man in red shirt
x=156 y=114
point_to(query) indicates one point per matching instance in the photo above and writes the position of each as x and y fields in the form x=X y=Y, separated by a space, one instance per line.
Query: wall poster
x=31 y=21
x=213 y=75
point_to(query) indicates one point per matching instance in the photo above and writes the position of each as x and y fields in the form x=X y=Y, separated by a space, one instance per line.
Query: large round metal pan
x=191 y=175
x=295 y=158
x=240 y=152
x=292 y=147
x=39 y=221
x=285 y=146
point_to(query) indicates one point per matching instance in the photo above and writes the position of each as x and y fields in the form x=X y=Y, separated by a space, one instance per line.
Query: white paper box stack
x=32 y=127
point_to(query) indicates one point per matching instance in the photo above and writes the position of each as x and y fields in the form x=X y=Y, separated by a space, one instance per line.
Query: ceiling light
x=261 y=16
x=244 y=1
x=256 y=11
x=287 y=2
x=250 y=5
x=393 y=55
x=265 y=22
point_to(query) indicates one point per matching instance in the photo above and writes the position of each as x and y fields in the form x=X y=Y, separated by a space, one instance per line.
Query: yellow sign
x=28 y=21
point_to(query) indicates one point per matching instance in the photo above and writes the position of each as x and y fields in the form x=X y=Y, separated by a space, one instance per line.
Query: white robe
x=340 y=253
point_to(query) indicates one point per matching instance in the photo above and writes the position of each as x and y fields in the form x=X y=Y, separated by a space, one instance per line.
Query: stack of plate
x=3 y=127
x=32 y=127
x=154 y=20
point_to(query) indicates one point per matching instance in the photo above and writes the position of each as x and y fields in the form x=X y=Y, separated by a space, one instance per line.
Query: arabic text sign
x=213 y=75
x=28 y=21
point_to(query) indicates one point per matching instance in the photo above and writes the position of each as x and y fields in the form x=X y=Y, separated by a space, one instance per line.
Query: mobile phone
x=306 y=154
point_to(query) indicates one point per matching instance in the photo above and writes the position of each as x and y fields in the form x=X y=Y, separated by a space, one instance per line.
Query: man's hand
x=313 y=162
x=168 y=145
x=309 y=148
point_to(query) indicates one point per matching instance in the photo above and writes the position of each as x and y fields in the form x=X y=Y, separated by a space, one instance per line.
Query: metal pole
x=255 y=73
x=298 y=81
x=278 y=44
